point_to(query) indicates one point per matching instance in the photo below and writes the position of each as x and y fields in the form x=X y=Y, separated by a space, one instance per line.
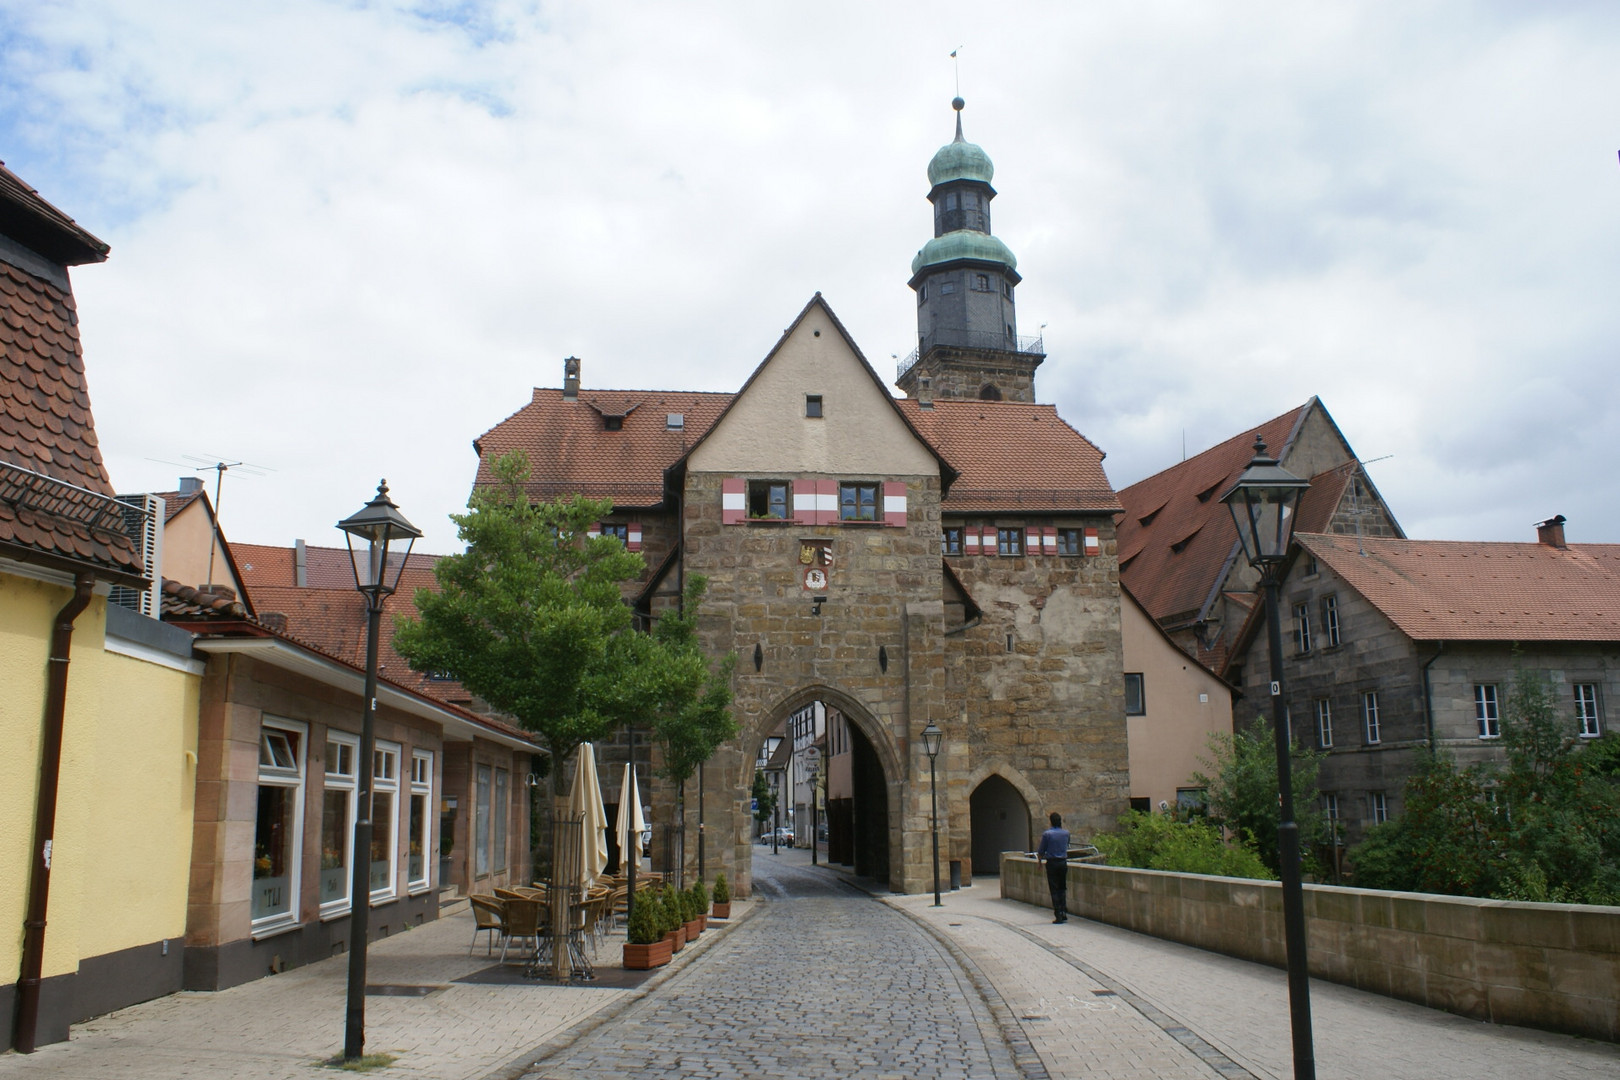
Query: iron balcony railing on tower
x=1034 y=345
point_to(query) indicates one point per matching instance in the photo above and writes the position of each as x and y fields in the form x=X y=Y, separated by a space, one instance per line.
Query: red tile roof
x=1450 y=590
x=176 y=501
x=1013 y=457
x=324 y=567
x=55 y=496
x=571 y=451
x=1175 y=536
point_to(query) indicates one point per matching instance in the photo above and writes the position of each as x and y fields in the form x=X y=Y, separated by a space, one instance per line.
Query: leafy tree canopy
x=692 y=717
x=532 y=619
x=1242 y=792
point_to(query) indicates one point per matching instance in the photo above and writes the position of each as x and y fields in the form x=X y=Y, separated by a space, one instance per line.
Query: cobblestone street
x=821 y=982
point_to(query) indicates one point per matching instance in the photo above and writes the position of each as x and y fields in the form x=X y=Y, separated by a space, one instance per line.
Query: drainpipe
x=50 y=770
x=1428 y=694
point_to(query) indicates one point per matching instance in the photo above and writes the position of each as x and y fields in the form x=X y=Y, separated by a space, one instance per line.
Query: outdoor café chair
x=524 y=923
x=488 y=915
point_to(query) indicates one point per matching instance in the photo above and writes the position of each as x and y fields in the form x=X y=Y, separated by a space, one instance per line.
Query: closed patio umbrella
x=586 y=798
x=631 y=822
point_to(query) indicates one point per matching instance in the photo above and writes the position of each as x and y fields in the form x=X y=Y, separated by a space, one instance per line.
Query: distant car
x=782 y=836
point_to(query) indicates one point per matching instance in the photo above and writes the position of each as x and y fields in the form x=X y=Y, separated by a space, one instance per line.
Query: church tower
x=965 y=278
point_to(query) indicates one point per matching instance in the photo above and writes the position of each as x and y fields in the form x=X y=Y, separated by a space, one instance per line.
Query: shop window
x=484 y=782
x=337 y=823
x=278 y=825
x=418 y=840
x=384 y=819
x=503 y=811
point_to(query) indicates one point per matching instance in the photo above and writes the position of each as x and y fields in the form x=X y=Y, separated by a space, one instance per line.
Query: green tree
x=531 y=618
x=1241 y=794
x=764 y=797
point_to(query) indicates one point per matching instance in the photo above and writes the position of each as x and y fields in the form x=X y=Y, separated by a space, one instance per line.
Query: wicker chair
x=525 y=921
x=489 y=914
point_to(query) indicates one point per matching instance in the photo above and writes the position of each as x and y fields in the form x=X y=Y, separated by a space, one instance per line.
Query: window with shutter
x=733 y=500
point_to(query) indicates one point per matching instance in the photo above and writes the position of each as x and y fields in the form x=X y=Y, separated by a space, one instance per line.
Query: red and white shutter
x=970 y=540
x=733 y=500
x=804 y=502
x=633 y=541
x=826 y=502
x=1093 y=543
x=991 y=543
x=894 y=503
x=593 y=530
x=1049 y=540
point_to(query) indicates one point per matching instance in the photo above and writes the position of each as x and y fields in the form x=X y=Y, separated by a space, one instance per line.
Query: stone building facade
x=944 y=558
x=1395 y=649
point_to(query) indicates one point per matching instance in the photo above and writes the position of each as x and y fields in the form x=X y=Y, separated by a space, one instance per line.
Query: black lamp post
x=379 y=526
x=933 y=738
x=1263 y=504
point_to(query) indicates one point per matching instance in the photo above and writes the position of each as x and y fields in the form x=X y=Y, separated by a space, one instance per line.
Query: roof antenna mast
x=221 y=467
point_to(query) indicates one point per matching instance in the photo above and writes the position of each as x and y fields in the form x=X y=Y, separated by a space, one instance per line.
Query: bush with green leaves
x=1242 y=792
x=700 y=897
x=722 y=890
x=644 y=927
x=1192 y=846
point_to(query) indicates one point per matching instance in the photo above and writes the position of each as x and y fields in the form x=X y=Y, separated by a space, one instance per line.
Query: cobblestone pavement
x=821 y=982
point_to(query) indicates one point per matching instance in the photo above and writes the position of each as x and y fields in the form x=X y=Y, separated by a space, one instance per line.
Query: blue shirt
x=1054 y=844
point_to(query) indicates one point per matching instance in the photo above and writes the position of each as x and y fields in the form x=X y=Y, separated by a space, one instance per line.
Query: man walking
x=1054 y=852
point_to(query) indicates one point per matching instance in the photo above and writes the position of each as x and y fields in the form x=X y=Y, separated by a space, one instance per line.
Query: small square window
x=612 y=423
x=1135 y=694
x=981 y=282
x=857 y=502
x=1068 y=542
x=947 y=287
x=1009 y=541
x=675 y=421
x=950 y=540
x=769 y=499
x=812 y=405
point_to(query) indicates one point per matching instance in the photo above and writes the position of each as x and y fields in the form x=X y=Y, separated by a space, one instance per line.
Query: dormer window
x=675 y=421
x=612 y=423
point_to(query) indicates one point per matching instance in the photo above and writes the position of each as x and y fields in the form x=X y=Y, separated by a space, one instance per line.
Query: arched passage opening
x=1000 y=822
x=837 y=796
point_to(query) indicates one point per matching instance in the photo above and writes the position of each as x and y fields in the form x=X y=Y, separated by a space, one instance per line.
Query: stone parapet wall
x=1553 y=966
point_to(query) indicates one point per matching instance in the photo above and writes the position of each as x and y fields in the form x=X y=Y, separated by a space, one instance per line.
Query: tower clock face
x=815 y=579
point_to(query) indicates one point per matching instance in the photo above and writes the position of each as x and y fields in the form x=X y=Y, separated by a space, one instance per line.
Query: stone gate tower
x=965 y=279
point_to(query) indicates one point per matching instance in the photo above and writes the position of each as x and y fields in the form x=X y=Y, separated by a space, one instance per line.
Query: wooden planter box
x=646 y=957
x=694 y=928
x=722 y=911
x=677 y=938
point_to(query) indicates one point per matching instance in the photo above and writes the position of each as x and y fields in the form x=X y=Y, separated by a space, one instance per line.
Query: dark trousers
x=1057 y=879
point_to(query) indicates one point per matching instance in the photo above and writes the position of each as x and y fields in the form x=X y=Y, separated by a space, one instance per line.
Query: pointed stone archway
x=1002 y=815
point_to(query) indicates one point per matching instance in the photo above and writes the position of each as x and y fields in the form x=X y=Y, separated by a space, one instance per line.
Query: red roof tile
x=571 y=451
x=1013 y=457
x=1449 y=590
x=1175 y=536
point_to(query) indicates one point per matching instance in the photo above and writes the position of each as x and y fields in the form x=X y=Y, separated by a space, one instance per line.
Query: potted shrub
x=700 y=901
x=722 y=897
x=646 y=946
x=670 y=917
x=689 y=913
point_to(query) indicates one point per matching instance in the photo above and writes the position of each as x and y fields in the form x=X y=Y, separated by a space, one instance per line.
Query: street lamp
x=932 y=739
x=379 y=527
x=1263 y=503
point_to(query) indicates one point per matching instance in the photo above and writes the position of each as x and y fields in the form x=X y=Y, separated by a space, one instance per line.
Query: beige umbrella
x=631 y=822
x=586 y=798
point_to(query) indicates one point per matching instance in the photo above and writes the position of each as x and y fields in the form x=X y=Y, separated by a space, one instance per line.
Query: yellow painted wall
x=124 y=810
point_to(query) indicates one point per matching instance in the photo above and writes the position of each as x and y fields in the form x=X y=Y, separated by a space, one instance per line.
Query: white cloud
x=350 y=237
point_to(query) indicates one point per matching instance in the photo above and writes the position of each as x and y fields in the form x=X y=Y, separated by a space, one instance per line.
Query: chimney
x=1551 y=531
x=190 y=485
x=571 y=379
x=273 y=620
x=300 y=565
x=925 y=392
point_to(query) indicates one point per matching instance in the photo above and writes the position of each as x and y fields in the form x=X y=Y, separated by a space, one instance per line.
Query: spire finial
x=956 y=102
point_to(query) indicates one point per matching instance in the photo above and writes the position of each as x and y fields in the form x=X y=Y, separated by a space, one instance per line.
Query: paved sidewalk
x=279 y=1028
x=1099 y=1002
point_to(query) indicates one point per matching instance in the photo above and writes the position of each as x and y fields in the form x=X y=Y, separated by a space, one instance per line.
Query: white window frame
x=421 y=788
x=277 y=772
x=340 y=781
x=1330 y=806
x=1324 y=723
x=1487 y=711
x=1371 y=728
x=1380 y=807
x=1587 y=712
x=385 y=781
x=1140 y=681
x=1302 y=628
x=1011 y=541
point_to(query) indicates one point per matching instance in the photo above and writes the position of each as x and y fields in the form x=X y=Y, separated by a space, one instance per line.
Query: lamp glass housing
x=380 y=527
x=1264 y=504
x=933 y=738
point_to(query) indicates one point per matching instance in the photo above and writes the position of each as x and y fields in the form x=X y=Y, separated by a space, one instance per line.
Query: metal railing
x=35 y=491
x=1031 y=344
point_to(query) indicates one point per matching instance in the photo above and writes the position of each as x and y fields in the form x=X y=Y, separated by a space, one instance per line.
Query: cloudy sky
x=349 y=237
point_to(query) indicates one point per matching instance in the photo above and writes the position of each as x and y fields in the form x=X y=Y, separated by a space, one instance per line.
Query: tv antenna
x=218 y=464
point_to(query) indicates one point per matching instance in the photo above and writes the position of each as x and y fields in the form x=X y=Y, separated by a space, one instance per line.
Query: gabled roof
x=571 y=451
x=1450 y=590
x=1013 y=457
x=947 y=471
x=1175 y=537
x=261 y=565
